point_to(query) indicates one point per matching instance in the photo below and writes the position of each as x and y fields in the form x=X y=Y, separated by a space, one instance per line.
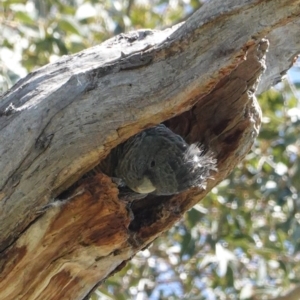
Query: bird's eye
x=152 y=164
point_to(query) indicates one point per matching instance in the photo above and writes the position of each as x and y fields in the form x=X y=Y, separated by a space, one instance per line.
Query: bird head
x=159 y=161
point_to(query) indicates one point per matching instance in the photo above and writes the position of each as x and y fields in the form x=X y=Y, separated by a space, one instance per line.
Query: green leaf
x=68 y=26
x=22 y=16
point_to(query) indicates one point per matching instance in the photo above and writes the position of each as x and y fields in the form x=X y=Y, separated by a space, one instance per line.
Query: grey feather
x=159 y=161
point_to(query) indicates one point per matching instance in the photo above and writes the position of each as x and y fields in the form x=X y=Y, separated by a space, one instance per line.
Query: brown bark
x=63 y=119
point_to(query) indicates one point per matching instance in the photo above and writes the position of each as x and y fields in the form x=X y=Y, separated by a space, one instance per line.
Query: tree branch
x=63 y=119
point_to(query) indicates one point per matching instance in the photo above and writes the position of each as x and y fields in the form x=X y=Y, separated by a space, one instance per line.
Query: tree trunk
x=61 y=235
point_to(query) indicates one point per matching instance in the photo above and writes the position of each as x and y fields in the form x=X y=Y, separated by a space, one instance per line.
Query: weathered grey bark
x=63 y=119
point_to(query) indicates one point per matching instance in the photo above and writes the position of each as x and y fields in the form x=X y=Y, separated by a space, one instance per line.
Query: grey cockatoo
x=159 y=161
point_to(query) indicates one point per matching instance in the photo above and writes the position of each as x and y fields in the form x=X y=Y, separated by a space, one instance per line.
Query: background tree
x=243 y=239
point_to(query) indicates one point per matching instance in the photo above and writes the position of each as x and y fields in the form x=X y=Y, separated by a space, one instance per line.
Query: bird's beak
x=145 y=187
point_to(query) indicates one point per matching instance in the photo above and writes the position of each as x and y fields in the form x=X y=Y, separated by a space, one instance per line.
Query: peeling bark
x=60 y=235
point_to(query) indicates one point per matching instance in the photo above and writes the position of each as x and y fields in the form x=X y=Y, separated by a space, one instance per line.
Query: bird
x=157 y=161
